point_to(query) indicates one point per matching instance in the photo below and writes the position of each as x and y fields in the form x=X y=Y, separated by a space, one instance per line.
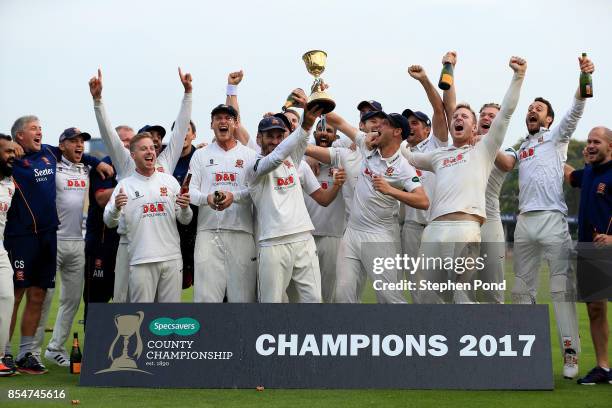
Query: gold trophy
x=315 y=64
x=127 y=326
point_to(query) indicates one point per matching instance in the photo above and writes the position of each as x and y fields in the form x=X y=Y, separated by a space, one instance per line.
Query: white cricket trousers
x=493 y=245
x=327 y=251
x=225 y=263
x=545 y=234
x=282 y=264
x=442 y=240
x=412 y=233
x=70 y=265
x=356 y=255
x=122 y=274
x=160 y=282
x=7 y=297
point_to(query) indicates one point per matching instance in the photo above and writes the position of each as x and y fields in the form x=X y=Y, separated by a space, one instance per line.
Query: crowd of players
x=287 y=217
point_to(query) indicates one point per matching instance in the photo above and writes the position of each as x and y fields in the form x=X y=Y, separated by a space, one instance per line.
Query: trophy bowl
x=315 y=61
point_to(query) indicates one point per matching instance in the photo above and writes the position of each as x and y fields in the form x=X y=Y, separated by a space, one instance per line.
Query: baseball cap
x=373 y=114
x=153 y=128
x=374 y=105
x=417 y=114
x=223 y=108
x=72 y=133
x=284 y=118
x=271 y=122
x=399 y=121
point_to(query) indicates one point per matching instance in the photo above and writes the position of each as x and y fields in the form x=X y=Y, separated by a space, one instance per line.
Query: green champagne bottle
x=75 y=356
x=446 y=77
x=586 y=83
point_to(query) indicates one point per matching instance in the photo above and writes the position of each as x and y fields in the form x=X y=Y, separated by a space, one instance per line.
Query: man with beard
x=7 y=297
x=72 y=183
x=541 y=228
x=595 y=234
x=123 y=162
x=287 y=252
x=458 y=209
x=150 y=202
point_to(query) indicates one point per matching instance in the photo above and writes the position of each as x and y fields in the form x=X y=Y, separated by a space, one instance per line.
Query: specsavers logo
x=165 y=326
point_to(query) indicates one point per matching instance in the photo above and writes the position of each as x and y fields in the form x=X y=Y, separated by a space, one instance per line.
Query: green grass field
x=566 y=393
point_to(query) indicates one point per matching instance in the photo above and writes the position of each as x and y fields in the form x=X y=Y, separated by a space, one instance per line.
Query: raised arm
x=421 y=161
x=231 y=99
x=506 y=160
x=119 y=155
x=342 y=125
x=494 y=139
x=566 y=127
x=439 y=125
x=319 y=153
x=172 y=153
x=449 y=96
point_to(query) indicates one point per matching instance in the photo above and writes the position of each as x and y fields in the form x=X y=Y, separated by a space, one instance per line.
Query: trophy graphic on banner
x=128 y=326
x=315 y=61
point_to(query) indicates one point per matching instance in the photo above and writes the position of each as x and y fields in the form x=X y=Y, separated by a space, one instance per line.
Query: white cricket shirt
x=71 y=186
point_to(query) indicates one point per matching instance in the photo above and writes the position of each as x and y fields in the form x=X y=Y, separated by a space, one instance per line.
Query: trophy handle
x=138 y=350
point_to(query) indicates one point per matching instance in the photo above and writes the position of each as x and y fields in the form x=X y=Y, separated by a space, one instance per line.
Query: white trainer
x=58 y=357
x=570 y=364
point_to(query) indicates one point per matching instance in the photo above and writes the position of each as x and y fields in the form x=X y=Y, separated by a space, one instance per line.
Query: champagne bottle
x=185 y=186
x=446 y=77
x=586 y=83
x=75 y=356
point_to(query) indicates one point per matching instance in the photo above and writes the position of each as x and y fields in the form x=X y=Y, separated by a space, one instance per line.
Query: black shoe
x=31 y=364
x=596 y=376
x=8 y=361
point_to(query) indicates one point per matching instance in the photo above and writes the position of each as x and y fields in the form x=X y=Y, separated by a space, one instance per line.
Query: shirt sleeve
x=308 y=180
x=411 y=180
x=198 y=197
x=423 y=161
x=172 y=153
x=266 y=164
x=119 y=155
x=111 y=213
x=98 y=184
x=576 y=178
x=566 y=127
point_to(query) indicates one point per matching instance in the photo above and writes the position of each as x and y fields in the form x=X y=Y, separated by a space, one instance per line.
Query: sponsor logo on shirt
x=527 y=154
x=163 y=191
x=415 y=179
x=41 y=175
x=389 y=171
x=156 y=209
x=137 y=194
x=224 y=177
x=453 y=161
x=324 y=185
x=211 y=163
x=283 y=183
x=601 y=188
x=75 y=184
x=239 y=163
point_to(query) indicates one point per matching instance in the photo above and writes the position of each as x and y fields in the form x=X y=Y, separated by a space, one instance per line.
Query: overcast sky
x=51 y=48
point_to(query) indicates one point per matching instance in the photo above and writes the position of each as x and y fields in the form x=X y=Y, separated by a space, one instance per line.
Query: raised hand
x=105 y=170
x=451 y=57
x=339 y=177
x=183 y=200
x=121 y=199
x=185 y=80
x=417 y=72
x=95 y=86
x=299 y=97
x=518 y=65
x=234 y=78
x=310 y=115
x=586 y=65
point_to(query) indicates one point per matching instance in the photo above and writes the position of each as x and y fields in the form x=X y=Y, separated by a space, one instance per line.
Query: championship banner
x=186 y=345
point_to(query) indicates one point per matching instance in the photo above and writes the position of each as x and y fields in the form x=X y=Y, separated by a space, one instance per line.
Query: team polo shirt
x=33 y=210
x=7 y=190
x=595 y=214
x=374 y=211
x=71 y=185
x=213 y=169
x=328 y=221
x=428 y=180
x=276 y=192
x=541 y=158
x=350 y=160
x=150 y=217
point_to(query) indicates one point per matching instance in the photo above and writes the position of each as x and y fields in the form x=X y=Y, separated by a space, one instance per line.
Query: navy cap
x=399 y=121
x=374 y=105
x=417 y=114
x=372 y=114
x=271 y=122
x=73 y=132
x=223 y=108
x=284 y=118
x=153 y=128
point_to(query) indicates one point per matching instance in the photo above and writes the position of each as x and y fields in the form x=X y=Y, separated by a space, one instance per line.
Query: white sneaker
x=570 y=364
x=58 y=357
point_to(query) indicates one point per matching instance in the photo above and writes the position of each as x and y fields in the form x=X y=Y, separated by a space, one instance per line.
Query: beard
x=5 y=169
